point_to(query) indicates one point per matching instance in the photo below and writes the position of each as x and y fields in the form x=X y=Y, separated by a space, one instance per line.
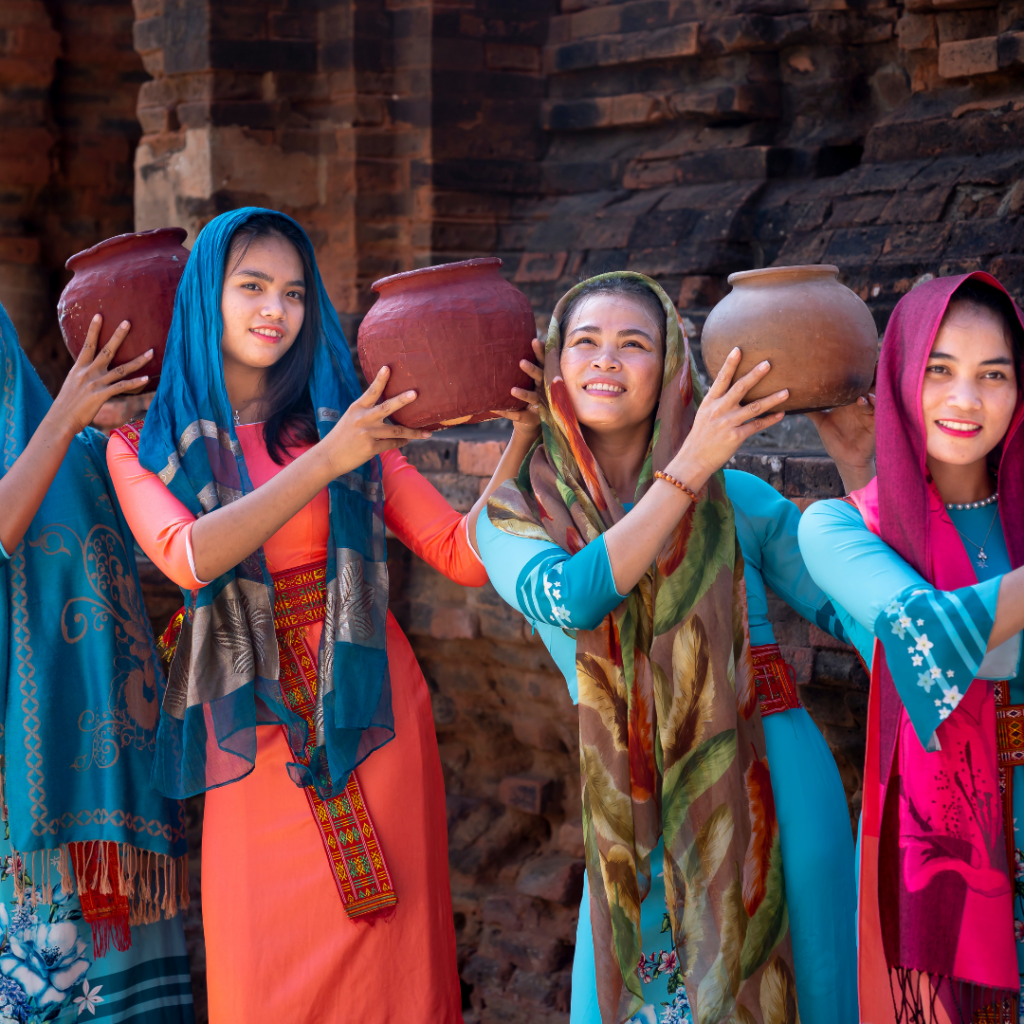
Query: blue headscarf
x=223 y=681
x=79 y=685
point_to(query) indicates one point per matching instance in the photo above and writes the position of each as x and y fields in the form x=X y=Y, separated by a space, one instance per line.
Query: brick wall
x=68 y=79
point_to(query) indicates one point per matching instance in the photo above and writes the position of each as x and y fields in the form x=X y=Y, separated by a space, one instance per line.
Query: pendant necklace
x=982 y=557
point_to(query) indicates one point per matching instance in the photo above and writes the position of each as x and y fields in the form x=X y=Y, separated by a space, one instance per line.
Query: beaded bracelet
x=675 y=483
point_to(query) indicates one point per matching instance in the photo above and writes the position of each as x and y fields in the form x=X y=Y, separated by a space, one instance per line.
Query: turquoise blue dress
x=934 y=640
x=557 y=592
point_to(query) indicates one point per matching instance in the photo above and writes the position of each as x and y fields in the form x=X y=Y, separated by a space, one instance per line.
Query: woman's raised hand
x=848 y=434
x=722 y=424
x=91 y=382
x=527 y=421
x=362 y=433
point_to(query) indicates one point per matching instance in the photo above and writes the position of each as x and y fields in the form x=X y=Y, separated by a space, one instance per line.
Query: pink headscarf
x=932 y=825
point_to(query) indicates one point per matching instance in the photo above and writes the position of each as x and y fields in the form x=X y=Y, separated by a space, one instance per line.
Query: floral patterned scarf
x=671 y=742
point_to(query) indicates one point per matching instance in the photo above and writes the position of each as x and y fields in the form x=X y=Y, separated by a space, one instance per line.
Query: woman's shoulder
x=745 y=488
x=832 y=512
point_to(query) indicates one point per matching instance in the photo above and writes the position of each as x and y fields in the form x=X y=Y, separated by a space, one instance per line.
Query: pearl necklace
x=991 y=499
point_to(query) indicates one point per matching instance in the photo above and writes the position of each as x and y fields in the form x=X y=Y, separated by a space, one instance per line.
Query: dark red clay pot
x=818 y=335
x=129 y=277
x=454 y=333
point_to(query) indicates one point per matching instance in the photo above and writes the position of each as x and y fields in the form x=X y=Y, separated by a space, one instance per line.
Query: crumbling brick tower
x=682 y=138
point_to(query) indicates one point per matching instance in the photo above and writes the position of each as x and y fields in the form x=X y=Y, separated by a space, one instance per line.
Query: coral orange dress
x=279 y=944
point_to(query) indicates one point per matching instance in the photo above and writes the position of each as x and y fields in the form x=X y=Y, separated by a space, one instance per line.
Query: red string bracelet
x=675 y=483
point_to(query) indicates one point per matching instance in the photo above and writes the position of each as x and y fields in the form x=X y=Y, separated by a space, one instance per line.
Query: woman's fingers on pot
x=720 y=385
x=532 y=369
x=125 y=369
x=368 y=399
x=122 y=387
x=748 y=380
x=755 y=426
x=109 y=350
x=92 y=337
x=392 y=405
x=526 y=396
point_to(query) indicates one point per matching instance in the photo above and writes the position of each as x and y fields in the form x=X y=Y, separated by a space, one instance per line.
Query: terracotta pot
x=130 y=277
x=454 y=333
x=818 y=335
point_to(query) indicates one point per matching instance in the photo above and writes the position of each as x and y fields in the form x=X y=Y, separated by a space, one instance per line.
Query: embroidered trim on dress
x=775 y=680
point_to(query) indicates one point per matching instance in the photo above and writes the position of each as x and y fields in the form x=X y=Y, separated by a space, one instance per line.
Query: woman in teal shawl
x=92 y=858
x=261 y=483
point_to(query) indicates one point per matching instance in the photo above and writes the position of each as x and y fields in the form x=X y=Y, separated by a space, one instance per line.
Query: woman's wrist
x=688 y=471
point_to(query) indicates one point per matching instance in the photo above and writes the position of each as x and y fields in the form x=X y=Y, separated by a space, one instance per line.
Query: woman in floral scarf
x=677 y=798
x=925 y=565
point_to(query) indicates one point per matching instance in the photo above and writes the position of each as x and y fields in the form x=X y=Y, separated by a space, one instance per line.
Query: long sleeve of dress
x=161 y=524
x=935 y=641
x=766 y=526
x=425 y=523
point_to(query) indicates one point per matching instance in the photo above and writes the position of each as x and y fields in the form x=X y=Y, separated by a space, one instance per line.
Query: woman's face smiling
x=612 y=358
x=263 y=303
x=970 y=388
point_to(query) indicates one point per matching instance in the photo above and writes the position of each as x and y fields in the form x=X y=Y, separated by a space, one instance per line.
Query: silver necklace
x=991 y=499
x=982 y=557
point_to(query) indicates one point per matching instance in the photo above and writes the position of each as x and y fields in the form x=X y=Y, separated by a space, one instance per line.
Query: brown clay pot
x=818 y=335
x=454 y=333
x=130 y=277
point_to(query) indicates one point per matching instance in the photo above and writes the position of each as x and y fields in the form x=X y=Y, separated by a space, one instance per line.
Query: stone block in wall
x=681 y=40
x=801 y=658
x=841 y=669
x=916 y=32
x=812 y=476
x=556 y=878
x=570 y=838
x=967 y=58
x=479 y=458
x=530 y=793
x=454 y=624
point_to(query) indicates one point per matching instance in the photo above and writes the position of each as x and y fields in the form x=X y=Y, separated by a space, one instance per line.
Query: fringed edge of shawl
x=155 y=884
x=916 y=996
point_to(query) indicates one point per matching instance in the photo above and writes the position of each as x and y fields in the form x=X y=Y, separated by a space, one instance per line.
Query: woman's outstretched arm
x=90 y=383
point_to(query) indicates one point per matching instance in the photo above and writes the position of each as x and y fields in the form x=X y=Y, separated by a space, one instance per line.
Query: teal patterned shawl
x=80 y=688
x=223 y=680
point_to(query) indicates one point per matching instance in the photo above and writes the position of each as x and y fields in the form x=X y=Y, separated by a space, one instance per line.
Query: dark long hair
x=288 y=419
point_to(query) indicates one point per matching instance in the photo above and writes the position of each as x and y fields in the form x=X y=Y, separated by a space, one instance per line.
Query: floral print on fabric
x=42 y=955
x=934 y=649
x=663 y=966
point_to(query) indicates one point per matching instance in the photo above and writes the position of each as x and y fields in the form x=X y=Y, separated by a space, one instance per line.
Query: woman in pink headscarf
x=926 y=564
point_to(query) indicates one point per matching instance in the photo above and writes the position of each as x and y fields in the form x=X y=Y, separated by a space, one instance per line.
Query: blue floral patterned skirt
x=48 y=971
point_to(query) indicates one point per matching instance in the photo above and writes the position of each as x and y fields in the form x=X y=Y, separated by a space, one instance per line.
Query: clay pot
x=818 y=335
x=454 y=333
x=130 y=277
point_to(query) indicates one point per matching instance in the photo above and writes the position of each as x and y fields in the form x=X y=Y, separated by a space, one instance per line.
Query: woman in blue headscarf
x=91 y=856
x=261 y=483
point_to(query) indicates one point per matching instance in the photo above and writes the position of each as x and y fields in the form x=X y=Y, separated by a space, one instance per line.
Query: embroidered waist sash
x=346 y=829
x=775 y=680
x=1010 y=748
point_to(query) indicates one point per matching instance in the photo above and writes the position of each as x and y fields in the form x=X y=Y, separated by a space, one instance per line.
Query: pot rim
x=821 y=269
x=177 y=234
x=480 y=261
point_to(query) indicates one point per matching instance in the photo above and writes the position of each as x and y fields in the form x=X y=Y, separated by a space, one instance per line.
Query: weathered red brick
x=971 y=57
x=530 y=793
x=916 y=32
x=552 y=877
x=540 y=266
x=454 y=624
